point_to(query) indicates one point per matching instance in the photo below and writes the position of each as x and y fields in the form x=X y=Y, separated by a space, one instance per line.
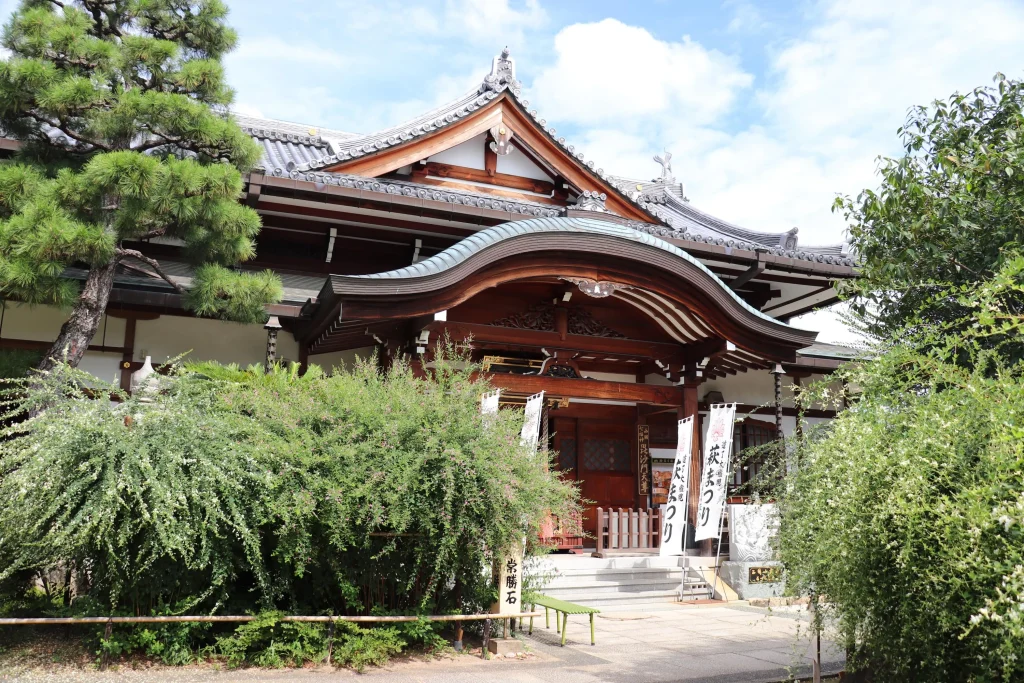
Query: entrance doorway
x=597 y=448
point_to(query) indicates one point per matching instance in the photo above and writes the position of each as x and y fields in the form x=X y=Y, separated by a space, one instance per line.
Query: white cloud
x=493 y=22
x=830 y=104
x=746 y=18
x=268 y=48
x=611 y=72
x=865 y=62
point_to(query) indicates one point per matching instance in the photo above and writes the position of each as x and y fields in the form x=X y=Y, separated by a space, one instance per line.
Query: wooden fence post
x=485 y=652
x=330 y=641
x=600 y=530
x=107 y=631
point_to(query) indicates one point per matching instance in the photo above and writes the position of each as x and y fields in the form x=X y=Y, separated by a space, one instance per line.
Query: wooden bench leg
x=565 y=627
x=533 y=608
x=558 y=624
x=547 y=619
x=592 y=640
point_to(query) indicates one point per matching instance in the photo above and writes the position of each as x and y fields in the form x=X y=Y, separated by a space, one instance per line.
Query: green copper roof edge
x=461 y=251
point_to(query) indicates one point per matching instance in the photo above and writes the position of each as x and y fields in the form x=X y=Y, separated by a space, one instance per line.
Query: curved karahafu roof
x=302 y=152
x=654 y=276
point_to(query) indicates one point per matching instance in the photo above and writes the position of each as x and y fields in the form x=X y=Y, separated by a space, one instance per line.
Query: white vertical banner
x=673 y=525
x=713 y=479
x=531 y=421
x=489 y=402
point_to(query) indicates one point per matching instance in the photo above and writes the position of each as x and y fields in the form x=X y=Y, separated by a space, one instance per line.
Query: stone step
x=616 y=577
x=574 y=562
x=591 y=583
x=576 y=593
x=562 y=562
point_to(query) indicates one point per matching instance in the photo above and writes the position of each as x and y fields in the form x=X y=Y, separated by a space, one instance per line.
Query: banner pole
x=718 y=554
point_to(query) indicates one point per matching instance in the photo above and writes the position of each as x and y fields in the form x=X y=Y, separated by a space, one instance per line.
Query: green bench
x=565 y=609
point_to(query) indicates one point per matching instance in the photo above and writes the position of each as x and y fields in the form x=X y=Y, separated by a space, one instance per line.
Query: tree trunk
x=76 y=334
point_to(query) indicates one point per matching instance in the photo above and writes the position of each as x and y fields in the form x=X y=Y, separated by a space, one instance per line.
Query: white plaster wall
x=516 y=163
x=754 y=387
x=42 y=323
x=330 y=361
x=469 y=153
x=169 y=336
x=106 y=367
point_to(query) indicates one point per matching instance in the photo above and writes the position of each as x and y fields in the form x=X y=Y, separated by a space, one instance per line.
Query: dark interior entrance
x=596 y=445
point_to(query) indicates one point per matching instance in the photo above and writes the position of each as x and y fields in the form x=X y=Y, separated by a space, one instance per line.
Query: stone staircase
x=624 y=583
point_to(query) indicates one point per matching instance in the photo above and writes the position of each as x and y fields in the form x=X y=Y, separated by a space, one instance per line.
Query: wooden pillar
x=690 y=409
x=799 y=431
x=127 y=354
x=778 y=373
x=643 y=500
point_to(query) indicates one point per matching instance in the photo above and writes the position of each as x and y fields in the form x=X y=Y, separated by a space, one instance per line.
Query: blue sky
x=770 y=109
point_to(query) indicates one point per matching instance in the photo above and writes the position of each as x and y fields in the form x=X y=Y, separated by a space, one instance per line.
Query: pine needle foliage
x=905 y=515
x=121 y=109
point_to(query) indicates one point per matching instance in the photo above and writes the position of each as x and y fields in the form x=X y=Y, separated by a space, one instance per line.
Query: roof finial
x=503 y=74
x=666 y=166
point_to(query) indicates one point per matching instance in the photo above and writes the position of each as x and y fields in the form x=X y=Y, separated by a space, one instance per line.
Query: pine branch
x=62 y=126
x=152 y=263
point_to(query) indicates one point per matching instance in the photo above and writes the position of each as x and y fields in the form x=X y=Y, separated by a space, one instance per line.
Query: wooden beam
x=496 y=191
x=749 y=274
x=552 y=340
x=490 y=157
x=808 y=295
x=475 y=175
x=588 y=388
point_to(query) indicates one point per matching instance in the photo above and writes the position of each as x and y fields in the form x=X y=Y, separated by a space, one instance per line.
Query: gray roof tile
x=298 y=151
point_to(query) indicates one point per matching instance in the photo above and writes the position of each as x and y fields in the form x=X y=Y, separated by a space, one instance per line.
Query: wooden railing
x=628 y=529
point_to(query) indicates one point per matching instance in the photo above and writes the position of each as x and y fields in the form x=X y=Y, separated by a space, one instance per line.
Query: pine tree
x=121 y=109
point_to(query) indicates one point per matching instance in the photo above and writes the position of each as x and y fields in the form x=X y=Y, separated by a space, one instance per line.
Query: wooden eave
x=504 y=110
x=338 y=196
x=348 y=300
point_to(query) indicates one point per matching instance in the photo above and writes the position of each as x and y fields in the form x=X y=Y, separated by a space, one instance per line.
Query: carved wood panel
x=542 y=318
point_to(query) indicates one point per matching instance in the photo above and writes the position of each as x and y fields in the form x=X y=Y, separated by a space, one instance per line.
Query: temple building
x=628 y=306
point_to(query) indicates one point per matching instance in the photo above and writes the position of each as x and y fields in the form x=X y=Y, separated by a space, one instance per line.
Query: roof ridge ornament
x=503 y=74
x=666 y=167
x=788 y=241
x=591 y=201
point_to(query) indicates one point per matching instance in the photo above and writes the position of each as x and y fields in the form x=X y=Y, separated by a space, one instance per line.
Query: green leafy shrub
x=907 y=511
x=16 y=363
x=268 y=641
x=359 y=647
x=234 y=491
x=172 y=643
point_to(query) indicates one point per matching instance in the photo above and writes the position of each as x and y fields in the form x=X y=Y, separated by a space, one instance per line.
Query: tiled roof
x=457 y=253
x=832 y=350
x=296 y=151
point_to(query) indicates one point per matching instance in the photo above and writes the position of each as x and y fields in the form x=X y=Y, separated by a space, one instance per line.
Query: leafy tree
x=120 y=106
x=907 y=511
x=947 y=211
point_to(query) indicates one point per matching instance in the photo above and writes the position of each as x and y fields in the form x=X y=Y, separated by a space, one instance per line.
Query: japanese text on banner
x=713 y=479
x=673 y=526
